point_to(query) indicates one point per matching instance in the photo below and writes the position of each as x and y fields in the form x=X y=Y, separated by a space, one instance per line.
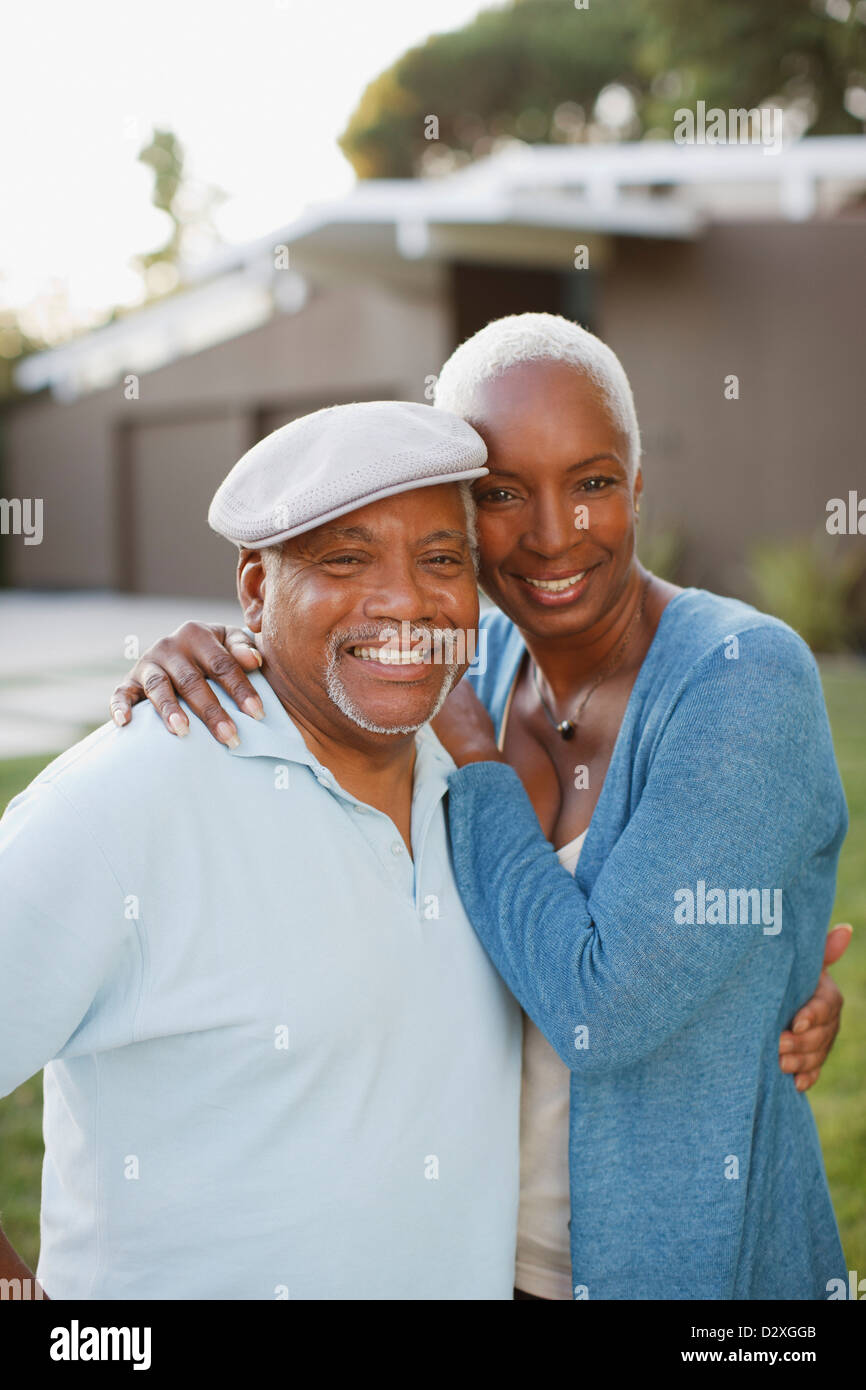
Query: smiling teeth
x=555 y=586
x=389 y=656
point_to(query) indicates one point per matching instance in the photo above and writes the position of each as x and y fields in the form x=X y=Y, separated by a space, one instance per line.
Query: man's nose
x=400 y=590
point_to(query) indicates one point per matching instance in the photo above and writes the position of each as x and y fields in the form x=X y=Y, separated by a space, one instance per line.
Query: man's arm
x=62 y=929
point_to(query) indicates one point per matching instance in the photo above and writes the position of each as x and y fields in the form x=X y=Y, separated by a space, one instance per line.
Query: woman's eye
x=496 y=494
x=596 y=484
x=444 y=559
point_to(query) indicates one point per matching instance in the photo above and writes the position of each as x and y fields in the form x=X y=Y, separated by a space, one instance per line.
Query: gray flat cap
x=326 y=464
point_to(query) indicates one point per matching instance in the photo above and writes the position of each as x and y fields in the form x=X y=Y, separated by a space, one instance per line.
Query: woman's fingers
x=196 y=650
x=121 y=703
x=238 y=643
x=163 y=685
x=179 y=667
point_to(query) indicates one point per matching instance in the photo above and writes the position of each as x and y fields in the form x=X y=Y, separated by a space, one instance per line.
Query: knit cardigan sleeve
x=740 y=790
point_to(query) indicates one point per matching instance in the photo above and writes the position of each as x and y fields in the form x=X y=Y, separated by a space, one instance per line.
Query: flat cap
x=326 y=464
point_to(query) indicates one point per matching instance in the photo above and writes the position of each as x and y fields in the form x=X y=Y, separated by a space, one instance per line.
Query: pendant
x=565 y=729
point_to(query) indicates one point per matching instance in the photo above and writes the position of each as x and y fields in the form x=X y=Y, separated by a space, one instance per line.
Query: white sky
x=257 y=91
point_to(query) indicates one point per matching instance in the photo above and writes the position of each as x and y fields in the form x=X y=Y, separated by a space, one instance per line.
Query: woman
x=676 y=745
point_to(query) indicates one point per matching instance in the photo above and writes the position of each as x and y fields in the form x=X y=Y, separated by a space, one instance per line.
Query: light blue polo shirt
x=279 y=1062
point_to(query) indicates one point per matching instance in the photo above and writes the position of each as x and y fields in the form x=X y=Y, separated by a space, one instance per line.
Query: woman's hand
x=465 y=729
x=178 y=665
x=804 y=1047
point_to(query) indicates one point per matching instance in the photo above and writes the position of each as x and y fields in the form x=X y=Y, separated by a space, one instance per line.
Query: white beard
x=339 y=695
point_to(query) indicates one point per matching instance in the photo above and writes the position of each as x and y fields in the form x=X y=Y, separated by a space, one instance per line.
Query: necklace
x=567 y=728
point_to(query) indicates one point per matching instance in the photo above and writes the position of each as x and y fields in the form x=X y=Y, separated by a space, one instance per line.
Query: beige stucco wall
x=126 y=483
x=782 y=307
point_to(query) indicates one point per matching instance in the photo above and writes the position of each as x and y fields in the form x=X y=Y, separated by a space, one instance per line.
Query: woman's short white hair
x=518 y=338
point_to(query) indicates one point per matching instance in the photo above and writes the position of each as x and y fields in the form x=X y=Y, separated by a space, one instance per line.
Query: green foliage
x=663 y=553
x=190 y=206
x=164 y=155
x=811 y=585
x=837 y=1100
x=735 y=53
x=15 y=343
x=533 y=70
x=505 y=74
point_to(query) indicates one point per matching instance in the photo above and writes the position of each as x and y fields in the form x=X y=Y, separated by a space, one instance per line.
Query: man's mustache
x=398 y=635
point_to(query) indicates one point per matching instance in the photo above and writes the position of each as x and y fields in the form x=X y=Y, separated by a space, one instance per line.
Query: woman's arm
x=741 y=788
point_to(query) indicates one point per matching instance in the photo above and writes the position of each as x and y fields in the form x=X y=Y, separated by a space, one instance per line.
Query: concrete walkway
x=61 y=655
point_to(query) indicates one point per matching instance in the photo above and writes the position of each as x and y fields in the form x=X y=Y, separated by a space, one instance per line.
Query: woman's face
x=556 y=515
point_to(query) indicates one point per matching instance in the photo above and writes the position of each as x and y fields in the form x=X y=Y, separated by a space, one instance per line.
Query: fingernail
x=227 y=734
x=257 y=654
x=253 y=706
x=788 y=1064
x=800 y=1083
x=178 y=724
x=801 y=1026
x=119 y=717
x=786 y=1045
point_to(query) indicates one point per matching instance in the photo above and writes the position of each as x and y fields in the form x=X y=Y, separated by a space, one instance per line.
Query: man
x=277 y=1060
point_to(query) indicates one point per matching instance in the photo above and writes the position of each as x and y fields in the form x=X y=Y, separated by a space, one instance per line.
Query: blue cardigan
x=696 y=1169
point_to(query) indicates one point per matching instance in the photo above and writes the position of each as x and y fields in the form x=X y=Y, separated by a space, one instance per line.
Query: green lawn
x=837 y=1099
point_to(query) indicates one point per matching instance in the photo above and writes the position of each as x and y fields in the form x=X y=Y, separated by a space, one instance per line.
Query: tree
x=545 y=70
x=189 y=205
x=806 y=55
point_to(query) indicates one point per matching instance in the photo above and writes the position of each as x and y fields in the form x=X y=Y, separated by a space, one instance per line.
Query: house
x=730 y=283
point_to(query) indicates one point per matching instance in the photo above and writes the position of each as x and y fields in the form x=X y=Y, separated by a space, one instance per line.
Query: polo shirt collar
x=277 y=736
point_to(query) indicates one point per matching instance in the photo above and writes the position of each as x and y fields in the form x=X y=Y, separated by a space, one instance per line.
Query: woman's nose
x=552 y=528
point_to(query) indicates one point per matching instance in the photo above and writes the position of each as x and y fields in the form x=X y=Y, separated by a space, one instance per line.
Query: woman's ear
x=251 y=587
x=638 y=488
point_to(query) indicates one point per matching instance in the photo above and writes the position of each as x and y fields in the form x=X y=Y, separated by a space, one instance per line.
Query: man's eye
x=343 y=560
x=445 y=559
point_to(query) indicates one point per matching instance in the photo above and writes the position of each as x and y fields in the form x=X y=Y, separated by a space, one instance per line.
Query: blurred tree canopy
x=15 y=343
x=547 y=71
x=190 y=206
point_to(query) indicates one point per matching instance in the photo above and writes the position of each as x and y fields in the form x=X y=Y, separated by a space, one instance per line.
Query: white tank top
x=543 y=1246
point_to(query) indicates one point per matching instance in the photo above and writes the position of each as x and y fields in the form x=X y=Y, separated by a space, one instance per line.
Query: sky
x=257 y=91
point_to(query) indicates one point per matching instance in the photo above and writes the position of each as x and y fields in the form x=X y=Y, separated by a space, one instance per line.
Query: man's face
x=351 y=615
